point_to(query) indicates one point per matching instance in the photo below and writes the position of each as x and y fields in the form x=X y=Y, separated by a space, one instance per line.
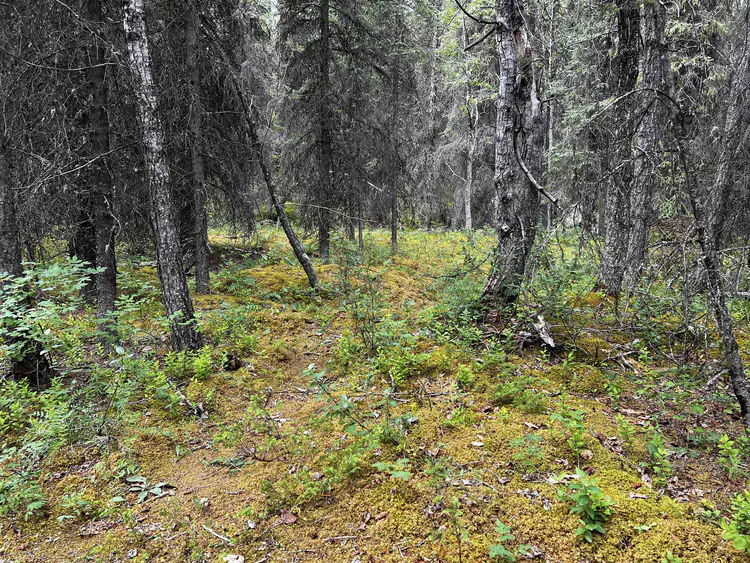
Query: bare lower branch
x=531 y=178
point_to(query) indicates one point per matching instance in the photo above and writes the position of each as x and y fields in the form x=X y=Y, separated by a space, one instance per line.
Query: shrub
x=35 y=305
x=516 y=392
x=572 y=421
x=589 y=503
x=737 y=529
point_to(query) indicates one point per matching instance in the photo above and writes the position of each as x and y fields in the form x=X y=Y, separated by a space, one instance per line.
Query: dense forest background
x=517 y=188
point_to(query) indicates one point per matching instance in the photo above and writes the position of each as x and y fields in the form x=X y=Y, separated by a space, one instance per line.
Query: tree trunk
x=360 y=222
x=82 y=245
x=617 y=212
x=716 y=291
x=324 y=134
x=196 y=151
x=516 y=199
x=472 y=114
x=177 y=301
x=10 y=246
x=717 y=208
x=34 y=366
x=250 y=114
x=655 y=69
x=395 y=156
x=710 y=209
x=104 y=221
x=291 y=235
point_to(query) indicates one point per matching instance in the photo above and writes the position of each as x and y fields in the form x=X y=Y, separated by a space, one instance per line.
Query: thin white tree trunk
x=177 y=301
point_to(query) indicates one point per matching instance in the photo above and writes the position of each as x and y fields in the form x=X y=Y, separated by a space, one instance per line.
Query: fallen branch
x=225 y=539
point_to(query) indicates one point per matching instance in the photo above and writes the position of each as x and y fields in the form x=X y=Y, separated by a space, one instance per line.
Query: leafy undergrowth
x=386 y=419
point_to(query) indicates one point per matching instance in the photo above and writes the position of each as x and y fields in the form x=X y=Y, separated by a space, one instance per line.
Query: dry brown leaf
x=287 y=517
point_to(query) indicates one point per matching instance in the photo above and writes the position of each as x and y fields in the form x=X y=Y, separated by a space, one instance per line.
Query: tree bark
x=710 y=210
x=324 y=134
x=394 y=133
x=34 y=366
x=177 y=301
x=655 y=76
x=196 y=151
x=104 y=221
x=717 y=208
x=10 y=246
x=82 y=244
x=472 y=114
x=617 y=205
x=516 y=199
x=716 y=292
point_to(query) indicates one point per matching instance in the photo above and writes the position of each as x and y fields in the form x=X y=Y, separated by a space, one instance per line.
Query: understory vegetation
x=386 y=417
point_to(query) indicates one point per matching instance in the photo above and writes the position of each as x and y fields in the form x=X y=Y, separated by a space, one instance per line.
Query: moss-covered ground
x=386 y=419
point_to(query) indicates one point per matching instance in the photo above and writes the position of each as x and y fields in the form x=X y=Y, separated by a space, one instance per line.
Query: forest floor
x=378 y=422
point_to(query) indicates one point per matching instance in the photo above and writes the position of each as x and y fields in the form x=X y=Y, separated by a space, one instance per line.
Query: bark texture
x=395 y=156
x=82 y=244
x=472 y=117
x=516 y=130
x=101 y=190
x=196 y=151
x=717 y=206
x=655 y=114
x=175 y=292
x=710 y=210
x=324 y=133
x=617 y=204
x=34 y=367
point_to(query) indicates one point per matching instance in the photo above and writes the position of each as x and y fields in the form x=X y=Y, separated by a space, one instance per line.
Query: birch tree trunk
x=472 y=114
x=175 y=292
x=196 y=151
x=104 y=221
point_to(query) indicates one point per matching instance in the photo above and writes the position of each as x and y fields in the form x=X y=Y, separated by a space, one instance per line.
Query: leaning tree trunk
x=252 y=120
x=34 y=366
x=710 y=210
x=655 y=80
x=617 y=205
x=177 y=301
x=196 y=151
x=104 y=221
x=516 y=199
x=257 y=147
x=325 y=143
x=716 y=290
